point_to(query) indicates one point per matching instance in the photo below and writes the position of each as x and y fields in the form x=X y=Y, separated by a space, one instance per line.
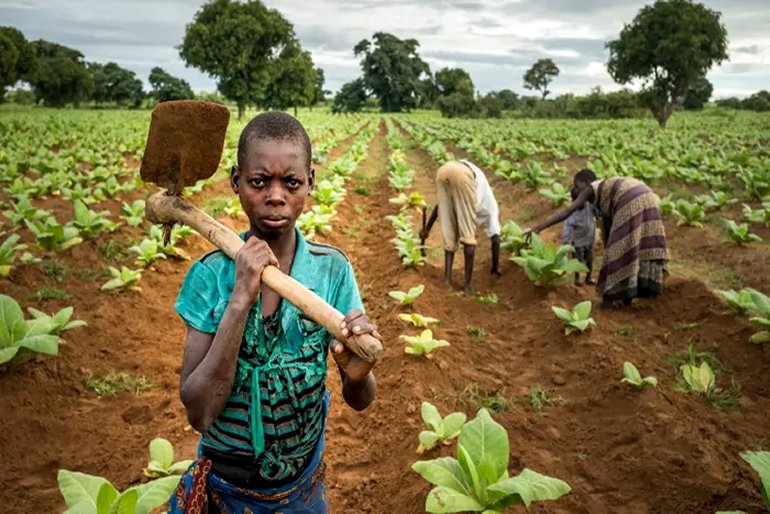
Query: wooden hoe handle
x=165 y=209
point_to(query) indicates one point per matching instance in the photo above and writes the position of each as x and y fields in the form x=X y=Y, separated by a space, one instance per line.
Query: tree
x=509 y=98
x=668 y=46
x=427 y=93
x=17 y=58
x=293 y=82
x=239 y=44
x=490 y=106
x=454 y=80
x=319 y=95
x=540 y=75
x=392 y=70
x=698 y=94
x=351 y=97
x=731 y=102
x=166 y=87
x=115 y=84
x=60 y=75
x=9 y=56
x=456 y=105
x=759 y=101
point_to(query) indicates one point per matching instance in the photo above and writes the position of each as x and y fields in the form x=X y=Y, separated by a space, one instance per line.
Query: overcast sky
x=496 y=41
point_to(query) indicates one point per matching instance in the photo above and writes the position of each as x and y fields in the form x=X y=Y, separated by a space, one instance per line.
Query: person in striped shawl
x=635 y=247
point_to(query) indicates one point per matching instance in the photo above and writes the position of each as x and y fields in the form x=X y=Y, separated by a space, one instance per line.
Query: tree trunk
x=545 y=92
x=295 y=111
x=662 y=113
x=241 y=110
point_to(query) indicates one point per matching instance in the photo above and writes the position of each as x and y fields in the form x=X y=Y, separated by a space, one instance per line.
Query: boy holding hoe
x=253 y=379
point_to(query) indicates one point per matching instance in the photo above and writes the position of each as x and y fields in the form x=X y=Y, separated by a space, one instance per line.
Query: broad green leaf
x=7 y=354
x=760 y=337
x=452 y=424
x=583 y=309
x=178 y=468
x=155 y=493
x=443 y=500
x=630 y=373
x=431 y=416
x=10 y=313
x=162 y=452
x=445 y=472
x=484 y=436
x=532 y=486
x=760 y=461
x=126 y=502
x=107 y=495
x=78 y=487
x=427 y=440
x=562 y=314
x=47 y=344
x=471 y=473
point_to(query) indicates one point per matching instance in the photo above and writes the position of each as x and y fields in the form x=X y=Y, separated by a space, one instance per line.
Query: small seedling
x=699 y=379
x=689 y=214
x=740 y=301
x=409 y=297
x=362 y=190
x=162 y=460
x=632 y=377
x=488 y=399
x=123 y=278
x=133 y=214
x=414 y=200
x=441 y=430
x=55 y=269
x=114 y=384
x=546 y=263
x=625 y=330
x=19 y=335
x=59 y=321
x=577 y=320
x=538 y=397
x=739 y=234
x=418 y=320
x=423 y=344
x=147 y=252
x=49 y=293
x=488 y=299
x=476 y=334
x=512 y=238
x=8 y=251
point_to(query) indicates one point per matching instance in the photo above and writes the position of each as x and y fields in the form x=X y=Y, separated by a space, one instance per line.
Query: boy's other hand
x=250 y=261
x=355 y=368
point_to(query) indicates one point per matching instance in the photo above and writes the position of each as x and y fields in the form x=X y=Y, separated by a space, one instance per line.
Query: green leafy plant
x=760 y=461
x=407 y=298
x=739 y=234
x=423 y=344
x=476 y=334
x=22 y=210
x=535 y=176
x=414 y=200
x=761 y=215
x=315 y=221
x=667 y=205
x=761 y=316
x=418 y=320
x=115 y=383
x=147 y=252
x=59 y=321
x=162 y=460
x=440 y=430
x=487 y=299
x=689 y=214
x=8 y=251
x=227 y=205
x=47 y=292
x=123 y=278
x=91 y=223
x=18 y=335
x=740 y=301
x=715 y=201
x=632 y=377
x=512 y=238
x=362 y=190
x=478 y=480
x=699 y=379
x=88 y=494
x=328 y=193
x=133 y=214
x=50 y=235
x=546 y=263
x=539 y=397
x=557 y=194
x=576 y=320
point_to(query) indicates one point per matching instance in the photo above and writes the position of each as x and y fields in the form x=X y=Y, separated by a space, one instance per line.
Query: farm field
x=559 y=397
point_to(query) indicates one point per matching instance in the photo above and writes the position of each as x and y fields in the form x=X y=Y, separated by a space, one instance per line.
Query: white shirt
x=487 y=211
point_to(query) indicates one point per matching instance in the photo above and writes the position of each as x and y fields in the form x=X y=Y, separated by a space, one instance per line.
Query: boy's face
x=580 y=185
x=272 y=184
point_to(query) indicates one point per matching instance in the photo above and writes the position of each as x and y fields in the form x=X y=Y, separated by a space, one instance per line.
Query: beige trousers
x=456 y=185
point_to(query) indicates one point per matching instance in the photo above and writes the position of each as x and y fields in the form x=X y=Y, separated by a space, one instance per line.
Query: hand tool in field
x=185 y=145
x=424 y=224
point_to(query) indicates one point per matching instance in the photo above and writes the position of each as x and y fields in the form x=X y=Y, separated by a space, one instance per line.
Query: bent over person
x=635 y=247
x=253 y=379
x=464 y=201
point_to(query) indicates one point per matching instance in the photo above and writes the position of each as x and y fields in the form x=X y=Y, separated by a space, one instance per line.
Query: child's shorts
x=584 y=253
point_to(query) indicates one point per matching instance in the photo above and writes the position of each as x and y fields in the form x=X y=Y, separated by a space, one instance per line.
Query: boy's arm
x=359 y=387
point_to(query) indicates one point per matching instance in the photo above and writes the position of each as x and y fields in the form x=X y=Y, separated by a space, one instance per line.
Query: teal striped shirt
x=275 y=409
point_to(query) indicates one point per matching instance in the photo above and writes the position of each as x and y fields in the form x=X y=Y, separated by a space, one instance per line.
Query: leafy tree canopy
x=698 y=94
x=293 y=82
x=239 y=44
x=392 y=70
x=668 y=46
x=351 y=97
x=454 y=80
x=166 y=87
x=540 y=75
x=60 y=75
x=115 y=84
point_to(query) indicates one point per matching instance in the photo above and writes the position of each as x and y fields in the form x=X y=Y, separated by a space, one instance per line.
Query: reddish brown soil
x=621 y=451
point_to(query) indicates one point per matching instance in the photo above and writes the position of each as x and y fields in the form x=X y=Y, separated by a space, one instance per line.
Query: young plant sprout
x=162 y=460
x=123 y=278
x=739 y=234
x=699 y=379
x=576 y=320
x=632 y=377
x=424 y=344
x=440 y=430
x=409 y=297
x=418 y=320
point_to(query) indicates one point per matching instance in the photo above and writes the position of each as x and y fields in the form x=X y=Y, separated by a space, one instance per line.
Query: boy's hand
x=250 y=261
x=354 y=367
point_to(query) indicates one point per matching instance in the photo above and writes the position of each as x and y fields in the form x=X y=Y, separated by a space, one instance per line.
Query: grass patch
x=49 y=293
x=539 y=398
x=476 y=334
x=114 y=384
x=626 y=331
x=720 y=399
x=114 y=250
x=684 y=326
x=55 y=269
x=223 y=205
x=363 y=191
x=493 y=401
x=90 y=275
x=691 y=356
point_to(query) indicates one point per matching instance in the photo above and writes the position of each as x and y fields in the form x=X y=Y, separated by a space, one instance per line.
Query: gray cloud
x=494 y=40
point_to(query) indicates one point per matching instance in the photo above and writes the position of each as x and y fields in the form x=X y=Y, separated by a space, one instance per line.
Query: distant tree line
x=759 y=101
